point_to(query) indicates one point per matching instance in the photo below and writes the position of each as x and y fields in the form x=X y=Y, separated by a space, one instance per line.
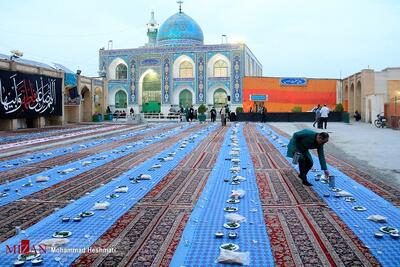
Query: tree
x=202 y=109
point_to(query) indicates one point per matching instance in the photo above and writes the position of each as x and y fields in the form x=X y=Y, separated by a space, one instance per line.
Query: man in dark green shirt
x=303 y=141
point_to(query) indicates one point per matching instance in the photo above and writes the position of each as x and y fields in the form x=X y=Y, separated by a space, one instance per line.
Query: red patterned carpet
x=149 y=232
x=31 y=209
x=303 y=231
x=33 y=168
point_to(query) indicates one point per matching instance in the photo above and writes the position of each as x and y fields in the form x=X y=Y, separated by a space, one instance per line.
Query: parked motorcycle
x=381 y=121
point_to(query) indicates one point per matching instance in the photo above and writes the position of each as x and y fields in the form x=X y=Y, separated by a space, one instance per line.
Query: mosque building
x=176 y=68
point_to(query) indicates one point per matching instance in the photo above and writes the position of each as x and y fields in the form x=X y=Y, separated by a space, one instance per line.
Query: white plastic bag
x=234 y=153
x=377 y=218
x=121 y=189
x=235 y=169
x=240 y=178
x=344 y=194
x=144 y=177
x=232 y=257
x=103 y=205
x=42 y=178
x=235 y=160
x=235 y=217
x=54 y=242
x=66 y=171
x=238 y=193
x=156 y=166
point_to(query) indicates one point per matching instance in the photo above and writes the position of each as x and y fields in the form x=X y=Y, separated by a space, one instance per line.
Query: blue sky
x=309 y=38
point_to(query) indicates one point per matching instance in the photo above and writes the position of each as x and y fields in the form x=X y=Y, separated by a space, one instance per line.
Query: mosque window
x=121 y=72
x=185 y=70
x=220 y=69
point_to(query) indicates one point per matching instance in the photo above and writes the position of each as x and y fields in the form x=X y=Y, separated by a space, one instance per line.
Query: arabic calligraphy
x=23 y=94
x=293 y=81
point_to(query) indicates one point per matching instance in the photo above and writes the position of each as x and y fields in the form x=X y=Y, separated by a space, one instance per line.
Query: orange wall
x=284 y=98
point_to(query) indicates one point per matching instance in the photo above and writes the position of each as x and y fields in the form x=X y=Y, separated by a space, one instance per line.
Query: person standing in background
x=317 y=111
x=223 y=114
x=213 y=114
x=324 y=115
x=264 y=114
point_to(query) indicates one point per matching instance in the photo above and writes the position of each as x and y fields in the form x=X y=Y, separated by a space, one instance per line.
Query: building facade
x=372 y=92
x=176 y=68
x=283 y=94
x=35 y=95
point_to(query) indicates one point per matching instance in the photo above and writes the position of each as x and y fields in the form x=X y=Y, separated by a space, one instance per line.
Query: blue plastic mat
x=18 y=137
x=41 y=156
x=386 y=250
x=86 y=232
x=198 y=245
x=95 y=159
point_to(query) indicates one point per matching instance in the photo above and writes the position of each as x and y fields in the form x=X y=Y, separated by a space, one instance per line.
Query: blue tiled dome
x=180 y=29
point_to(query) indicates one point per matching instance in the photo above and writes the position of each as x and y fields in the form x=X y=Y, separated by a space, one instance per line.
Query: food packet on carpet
x=232 y=257
x=344 y=194
x=101 y=205
x=235 y=217
x=54 y=242
x=144 y=177
x=238 y=193
x=377 y=218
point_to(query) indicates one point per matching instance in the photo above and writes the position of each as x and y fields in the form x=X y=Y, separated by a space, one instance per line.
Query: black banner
x=29 y=95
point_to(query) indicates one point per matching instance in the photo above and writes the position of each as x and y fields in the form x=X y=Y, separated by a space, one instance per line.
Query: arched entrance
x=121 y=100
x=86 y=105
x=220 y=98
x=151 y=93
x=185 y=98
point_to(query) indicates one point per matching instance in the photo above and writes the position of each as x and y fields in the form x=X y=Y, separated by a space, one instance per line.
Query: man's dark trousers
x=324 y=121
x=305 y=164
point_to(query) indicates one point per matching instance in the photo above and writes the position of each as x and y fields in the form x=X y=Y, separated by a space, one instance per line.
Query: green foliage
x=239 y=109
x=297 y=109
x=202 y=109
x=339 y=107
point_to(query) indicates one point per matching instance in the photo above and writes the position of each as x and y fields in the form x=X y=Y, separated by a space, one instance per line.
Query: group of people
x=260 y=109
x=189 y=113
x=120 y=113
x=321 y=116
